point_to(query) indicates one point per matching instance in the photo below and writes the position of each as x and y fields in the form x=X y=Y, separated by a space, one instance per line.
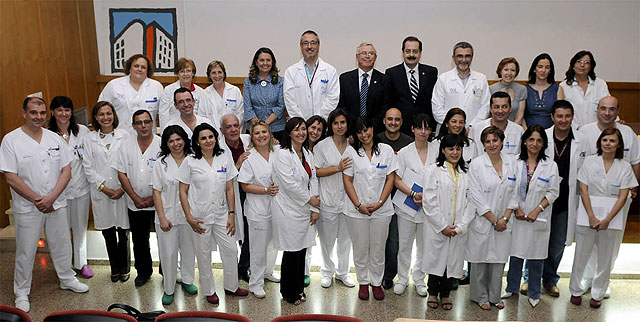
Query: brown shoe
x=552 y=290
x=524 y=288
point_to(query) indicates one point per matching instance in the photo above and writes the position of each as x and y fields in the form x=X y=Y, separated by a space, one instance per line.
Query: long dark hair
x=571 y=74
x=444 y=130
x=291 y=125
x=532 y=70
x=332 y=118
x=362 y=124
x=253 y=69
x=619 y=150
x=94 y=115
x=524 y=153
x=423 y=120
x=164 y=143
x=195 y=146
x=62 y=102
x=448 y=141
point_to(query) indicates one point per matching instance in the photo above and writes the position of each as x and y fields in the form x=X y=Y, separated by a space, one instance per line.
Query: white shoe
x=422 y=290
x=75 y=286
x=23 y=303
x=534 y=302
x=399 y=288
x=326 y=281
x=607 y=293
x=259 y=293
x=346 y=280
x=273 y=277
x=506 y=295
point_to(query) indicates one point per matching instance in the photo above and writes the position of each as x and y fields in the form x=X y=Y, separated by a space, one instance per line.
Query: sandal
x=448 y=305
x=500 y=305
x=432 y=304
x=484 y=305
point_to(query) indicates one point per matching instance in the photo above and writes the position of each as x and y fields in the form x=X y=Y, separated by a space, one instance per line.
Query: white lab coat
x=511 y=143
x=230 y=103
x=168 y=111
x=245 y=139
x=409 y=160
x=441 y=252
x=331 y=187
x=585 y=104
x=164 y=181
x=256 y=170
x=531 y=240
x=199 y=120
x=297 y=93
x=473 y=98
x=97 y=162
x=127 y=100
x=591 y=132
x=577 y=156
x=78 y=186
x=490 y=192
x=138 y=167
x=290 y=210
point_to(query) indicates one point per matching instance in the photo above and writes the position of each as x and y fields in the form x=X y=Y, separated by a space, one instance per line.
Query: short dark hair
x=28 y=99
x=180 y=90
x=164 y=142
x=312 y=33
x=129 y=62
x=448 y=141
x=500 y=94
x=412 y=38
x=333 y=116
x=463 y=45
x=532 y=70
x=96 y=109
x=505 y=61
x=491 y=130
x=291 y=125
x=524 y=153
x=197 y=150
x=611 y=131
x=562 y=104
x=62 y=101
x=140 y=112
x=571 y=74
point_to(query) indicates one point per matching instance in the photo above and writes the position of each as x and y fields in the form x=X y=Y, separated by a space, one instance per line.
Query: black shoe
x=141 y=280
x=115 y=278
x=455 y=283
x=124 y=277
x=387 y=284
x=464 y=281
x=243 y=276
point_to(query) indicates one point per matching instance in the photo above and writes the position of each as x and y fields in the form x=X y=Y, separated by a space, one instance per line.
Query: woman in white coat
x=492 y=182
x=174 y=234
x=223 y=97
x=445 y=202
x=367 y=184
x=208 y=202
x=538 y=187
x=294 y=209
x=64 y=124
x=455 y=123
x=109 y=208
x=332 y=225
x=255 y=179
x=603 y=175
x=413 y=160
x=134 y=91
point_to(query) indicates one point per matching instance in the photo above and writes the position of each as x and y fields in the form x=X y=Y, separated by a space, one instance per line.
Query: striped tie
x=364 y=90
x=413 y=86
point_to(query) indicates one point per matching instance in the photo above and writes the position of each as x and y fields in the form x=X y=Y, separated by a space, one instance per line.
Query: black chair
x=88 y=316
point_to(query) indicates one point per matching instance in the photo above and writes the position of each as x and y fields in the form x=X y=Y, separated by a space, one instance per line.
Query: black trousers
x=292 y=272
x=440 y=285
x=391 y=250
x=140 y=222
x=244 y=260
x=117 y=242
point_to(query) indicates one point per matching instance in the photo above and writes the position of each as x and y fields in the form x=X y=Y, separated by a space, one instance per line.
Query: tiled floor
x=46 y=296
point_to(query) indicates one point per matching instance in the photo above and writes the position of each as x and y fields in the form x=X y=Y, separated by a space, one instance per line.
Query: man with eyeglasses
x=365 y=91
x=135 y=162
x=184 y=102
x=311 y=85
x=412 y=84
x=461 y=87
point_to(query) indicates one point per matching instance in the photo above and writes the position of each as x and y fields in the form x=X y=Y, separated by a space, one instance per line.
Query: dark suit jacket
x=401 y=98
x=378 y=96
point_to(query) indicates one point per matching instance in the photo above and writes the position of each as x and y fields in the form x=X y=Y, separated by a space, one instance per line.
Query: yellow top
x=453 y=172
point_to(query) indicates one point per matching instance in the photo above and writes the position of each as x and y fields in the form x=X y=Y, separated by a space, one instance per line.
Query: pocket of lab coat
x=481 y=225
x=540 y=225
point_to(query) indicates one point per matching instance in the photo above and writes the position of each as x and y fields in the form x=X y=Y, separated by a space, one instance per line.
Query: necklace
x=65 y=136
x=559 y=154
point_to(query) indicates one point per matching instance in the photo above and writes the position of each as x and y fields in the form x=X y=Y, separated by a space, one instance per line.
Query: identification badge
x=54 y=152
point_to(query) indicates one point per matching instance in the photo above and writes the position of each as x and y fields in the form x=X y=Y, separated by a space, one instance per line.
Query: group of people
x=367 y=161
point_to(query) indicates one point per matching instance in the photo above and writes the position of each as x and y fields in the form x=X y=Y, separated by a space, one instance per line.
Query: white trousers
x=331 y=228
x=228 y=253
x=263 y=253
x=368 y=237
x=78 y=217
x=485 y=282
x=28 y=229
x=178 y=239
x=586 y=239
x=307 y=261
x=406 y=232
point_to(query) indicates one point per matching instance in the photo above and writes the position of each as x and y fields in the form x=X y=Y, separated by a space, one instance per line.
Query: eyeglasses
x=307 y=43
x=367 y=53
x=185 y=71
x=583 y=62
x=146 y=122
x=185 y=101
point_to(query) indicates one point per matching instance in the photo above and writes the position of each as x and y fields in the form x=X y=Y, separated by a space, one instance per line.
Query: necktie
x=413 y=86
x=364 y=90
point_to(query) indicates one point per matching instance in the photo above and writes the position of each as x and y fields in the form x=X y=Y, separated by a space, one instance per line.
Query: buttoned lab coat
x=168 y=111
x=297 y=92
x=473 y=98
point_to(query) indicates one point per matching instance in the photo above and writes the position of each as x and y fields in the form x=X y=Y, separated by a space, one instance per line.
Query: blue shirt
x=261 y=101
x=310 y=75
x=538 y=111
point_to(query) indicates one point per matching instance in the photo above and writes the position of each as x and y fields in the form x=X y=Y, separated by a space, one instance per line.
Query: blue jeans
x=535 y=276
x=556 y=248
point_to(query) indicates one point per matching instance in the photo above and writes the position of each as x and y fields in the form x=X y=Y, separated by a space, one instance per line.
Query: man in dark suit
x=365 y=91
x=412 y=84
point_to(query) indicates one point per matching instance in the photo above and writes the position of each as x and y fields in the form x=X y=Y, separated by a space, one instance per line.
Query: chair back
x=88 y=316
x=13 y=314
x=201 y=316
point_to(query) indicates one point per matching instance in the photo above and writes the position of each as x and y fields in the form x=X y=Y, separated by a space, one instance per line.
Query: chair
x=88 y=316
x=13 y=314
x=315 y=317
x=201 y=316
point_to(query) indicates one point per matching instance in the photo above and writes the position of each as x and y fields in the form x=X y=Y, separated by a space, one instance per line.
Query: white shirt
x=369 y=177
x=362 y=79
x=38 y=165
x=164 y=180
x=591 y=132
x=473 y=98
x=409 y=160
x=199 y=120
x=416 y=74
x=256 y=170
x=207 y=186
x=584 y=104
x=78 y=186
x=606 y=184
x=332 y=194
x=298 y=97
x=167 y=110
x=230 y=103
x=127 y=100
x=138 y=167
x=511 y=143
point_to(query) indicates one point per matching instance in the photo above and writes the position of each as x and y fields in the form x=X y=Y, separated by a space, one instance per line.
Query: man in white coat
x=461 y=87
x=500 y=107
x=36 y=167
x=311 y=86
x=184 y=102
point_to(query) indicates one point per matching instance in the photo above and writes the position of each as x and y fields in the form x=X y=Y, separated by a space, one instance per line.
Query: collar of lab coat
x=321 y=65
x=118 y=134
x=145 y=83
x=574 y=142
x=453 y=75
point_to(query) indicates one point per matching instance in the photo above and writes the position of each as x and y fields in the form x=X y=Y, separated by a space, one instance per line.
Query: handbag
x=132 y=311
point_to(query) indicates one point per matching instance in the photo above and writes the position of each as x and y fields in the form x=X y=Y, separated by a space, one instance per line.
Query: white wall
x=231 y=31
